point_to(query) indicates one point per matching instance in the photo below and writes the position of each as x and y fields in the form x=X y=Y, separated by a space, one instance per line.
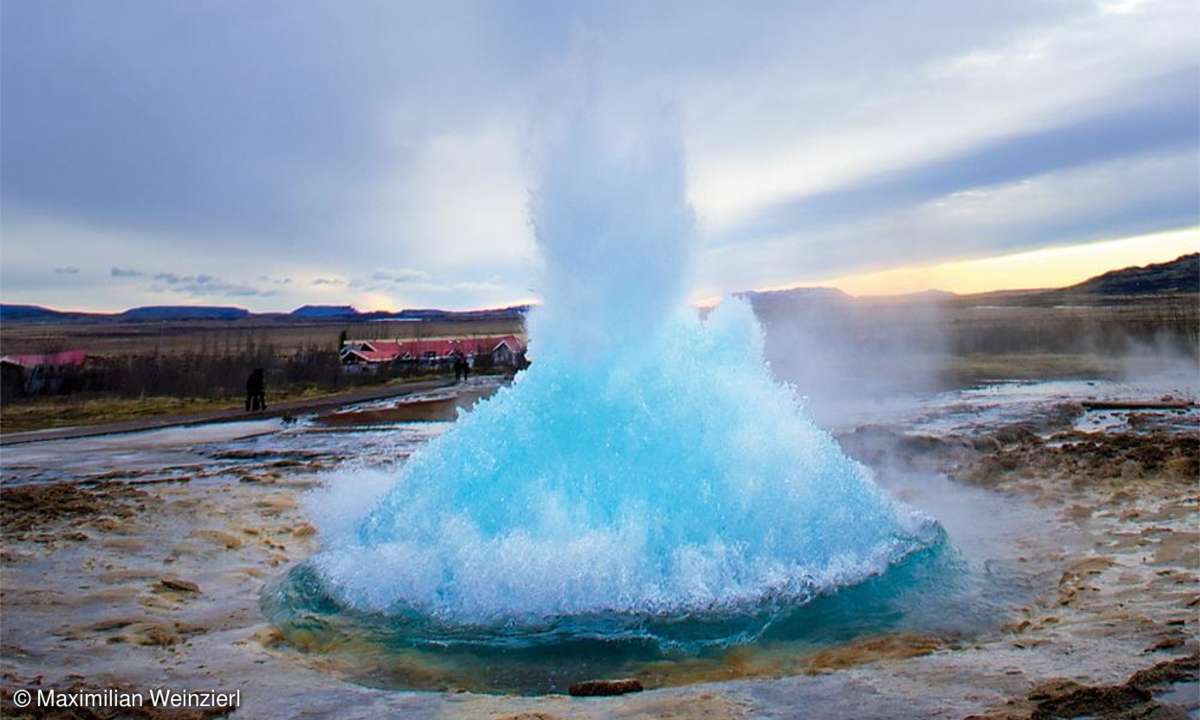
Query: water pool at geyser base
x=627 y=522
x=935 y=591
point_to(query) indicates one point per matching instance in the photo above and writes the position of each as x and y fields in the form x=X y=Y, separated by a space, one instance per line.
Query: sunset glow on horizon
x=1042 y=268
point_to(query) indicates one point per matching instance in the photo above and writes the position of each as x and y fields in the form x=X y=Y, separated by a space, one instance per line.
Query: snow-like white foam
x=674 y=480
x=646 y=463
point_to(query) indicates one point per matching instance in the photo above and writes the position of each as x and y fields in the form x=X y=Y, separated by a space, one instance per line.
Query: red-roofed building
x=58 y=359
x=31 y=374
x=501 y=350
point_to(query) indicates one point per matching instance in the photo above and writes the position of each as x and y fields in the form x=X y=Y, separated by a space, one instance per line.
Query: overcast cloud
x=272 y=154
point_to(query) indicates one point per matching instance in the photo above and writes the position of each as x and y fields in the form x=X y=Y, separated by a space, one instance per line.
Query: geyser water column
x=647 y=468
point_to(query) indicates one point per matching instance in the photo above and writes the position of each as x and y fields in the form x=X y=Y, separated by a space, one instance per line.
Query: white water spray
x=646 y=464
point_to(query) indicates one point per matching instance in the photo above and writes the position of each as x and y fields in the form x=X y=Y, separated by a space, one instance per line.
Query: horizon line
x=1187 y=239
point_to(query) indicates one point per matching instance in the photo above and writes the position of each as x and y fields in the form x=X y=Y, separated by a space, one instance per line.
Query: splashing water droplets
x=646 y=466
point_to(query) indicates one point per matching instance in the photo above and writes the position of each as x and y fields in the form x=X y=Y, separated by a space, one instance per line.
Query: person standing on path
x=256 y=391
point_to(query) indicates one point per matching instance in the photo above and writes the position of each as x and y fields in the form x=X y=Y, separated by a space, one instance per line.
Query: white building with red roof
x=497 y=350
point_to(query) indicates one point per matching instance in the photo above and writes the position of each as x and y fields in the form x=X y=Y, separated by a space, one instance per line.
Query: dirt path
x=291 y=407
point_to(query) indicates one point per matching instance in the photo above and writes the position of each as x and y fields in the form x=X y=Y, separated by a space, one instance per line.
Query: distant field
x=68 y=411
x=833 y=346
x=957 y=327
x=181 y=367
x=869 y=347
x=227 y=337
x=962 y=326
x=71 y=410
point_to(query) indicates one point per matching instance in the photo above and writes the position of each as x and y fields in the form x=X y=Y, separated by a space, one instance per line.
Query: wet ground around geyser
x=141 y=562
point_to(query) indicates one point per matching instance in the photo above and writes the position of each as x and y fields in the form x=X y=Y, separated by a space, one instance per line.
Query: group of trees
x=213 y=367
x=208 y=372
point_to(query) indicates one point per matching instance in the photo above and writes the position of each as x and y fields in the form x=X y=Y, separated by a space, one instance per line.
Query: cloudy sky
x=271 y=154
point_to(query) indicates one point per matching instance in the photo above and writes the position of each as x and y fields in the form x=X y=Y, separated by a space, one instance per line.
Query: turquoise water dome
x=679 y=479
x=647 y=479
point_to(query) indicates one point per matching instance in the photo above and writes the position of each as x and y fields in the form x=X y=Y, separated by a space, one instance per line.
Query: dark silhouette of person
x=256 y=391
x=458 y=367
x=466 y=368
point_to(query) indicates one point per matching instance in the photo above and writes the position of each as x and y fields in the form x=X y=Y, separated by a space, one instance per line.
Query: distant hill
x=325 y=311
x=155 y=313
x=36 y=313
x=514 y=312
x=818 y=294
x=769 y=304
x=1181 y=275
x=308 y=313
x=347 y=312
x=1176 y=277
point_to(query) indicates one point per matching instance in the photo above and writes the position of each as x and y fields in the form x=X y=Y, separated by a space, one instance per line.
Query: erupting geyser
x=647 y=466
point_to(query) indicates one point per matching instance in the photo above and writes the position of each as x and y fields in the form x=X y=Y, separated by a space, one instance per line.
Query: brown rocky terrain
x=110 y=583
